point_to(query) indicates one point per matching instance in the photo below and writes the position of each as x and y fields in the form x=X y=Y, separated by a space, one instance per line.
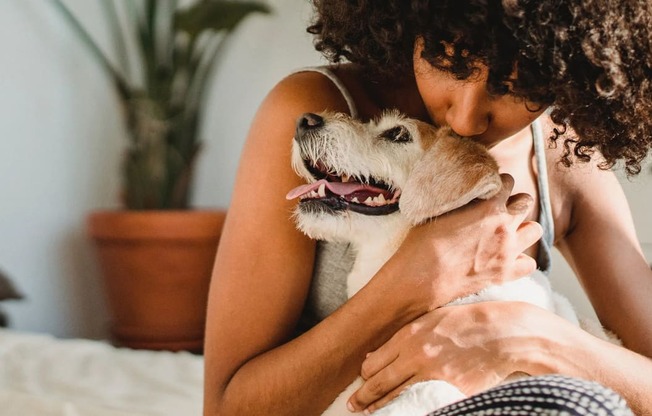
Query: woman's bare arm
x=602 y=248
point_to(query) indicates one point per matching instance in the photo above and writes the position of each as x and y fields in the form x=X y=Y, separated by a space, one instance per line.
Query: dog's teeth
x=381 y=199
x=355 y=200
x=368 y=201
x=322 y=190
x=345 y=178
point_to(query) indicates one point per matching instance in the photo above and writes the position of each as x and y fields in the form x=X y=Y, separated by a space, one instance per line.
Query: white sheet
x=41 y=375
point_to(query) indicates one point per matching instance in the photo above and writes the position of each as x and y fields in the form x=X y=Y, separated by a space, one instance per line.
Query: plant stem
x=121 y=85
x=149 y=45
x=118 y=36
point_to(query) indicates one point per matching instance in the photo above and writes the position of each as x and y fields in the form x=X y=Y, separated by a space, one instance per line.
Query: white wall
x=62 y=138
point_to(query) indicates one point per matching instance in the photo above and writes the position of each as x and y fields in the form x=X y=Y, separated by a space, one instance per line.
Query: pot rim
x=201 y=224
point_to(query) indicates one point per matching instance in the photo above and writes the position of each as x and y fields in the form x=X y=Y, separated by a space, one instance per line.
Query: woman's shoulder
x=345 y=85
x=579 y=174
x=318 y=88
x=569 y=185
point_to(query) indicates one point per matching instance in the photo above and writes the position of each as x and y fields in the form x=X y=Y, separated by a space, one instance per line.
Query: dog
x=369 y=183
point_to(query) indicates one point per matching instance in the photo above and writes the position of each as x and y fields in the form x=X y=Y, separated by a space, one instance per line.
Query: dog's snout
x=309 y=121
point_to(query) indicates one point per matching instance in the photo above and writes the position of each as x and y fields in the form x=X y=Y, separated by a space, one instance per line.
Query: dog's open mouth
x=363 y=195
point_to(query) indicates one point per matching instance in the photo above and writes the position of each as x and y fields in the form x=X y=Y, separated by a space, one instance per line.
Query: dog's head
x=389 y=170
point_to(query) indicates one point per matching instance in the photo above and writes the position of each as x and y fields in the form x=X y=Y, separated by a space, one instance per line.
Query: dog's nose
x=309 y=121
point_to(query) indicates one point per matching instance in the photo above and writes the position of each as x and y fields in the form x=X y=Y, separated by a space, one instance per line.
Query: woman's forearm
x=626 y=372
x=577 y=353
x=305 y=375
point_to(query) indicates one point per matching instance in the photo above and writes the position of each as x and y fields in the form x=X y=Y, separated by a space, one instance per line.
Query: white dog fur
x=427 y=172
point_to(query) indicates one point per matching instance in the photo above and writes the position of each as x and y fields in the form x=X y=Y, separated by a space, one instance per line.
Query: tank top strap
x=544 y=260
x=338 y=83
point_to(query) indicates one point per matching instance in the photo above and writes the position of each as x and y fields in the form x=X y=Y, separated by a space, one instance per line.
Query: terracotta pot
x=157 y=267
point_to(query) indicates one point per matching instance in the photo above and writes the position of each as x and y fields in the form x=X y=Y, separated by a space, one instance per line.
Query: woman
x=488 y=70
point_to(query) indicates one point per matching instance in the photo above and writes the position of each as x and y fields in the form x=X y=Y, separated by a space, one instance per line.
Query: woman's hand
x=465 y=250
x=473 y=347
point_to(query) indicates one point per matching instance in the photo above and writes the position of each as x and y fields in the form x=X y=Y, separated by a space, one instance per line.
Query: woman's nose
x=469 y=113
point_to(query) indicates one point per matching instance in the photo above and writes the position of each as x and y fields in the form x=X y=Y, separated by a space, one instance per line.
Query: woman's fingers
x=519 y=205
x=381 y=372
x=508 y=186
x=528 y=233
x=372 y=407
x=377 y=360
x=380 y=388
x=523 y=266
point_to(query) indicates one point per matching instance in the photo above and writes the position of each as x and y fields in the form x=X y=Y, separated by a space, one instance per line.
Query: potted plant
x=156 y=254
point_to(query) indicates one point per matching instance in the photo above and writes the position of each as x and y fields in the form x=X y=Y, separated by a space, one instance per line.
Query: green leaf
x=216 y=15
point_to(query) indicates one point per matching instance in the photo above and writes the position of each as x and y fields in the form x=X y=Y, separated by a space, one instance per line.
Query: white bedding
x=42 y=375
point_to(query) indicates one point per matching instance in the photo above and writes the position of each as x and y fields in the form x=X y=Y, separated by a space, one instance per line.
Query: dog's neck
x=374 y=246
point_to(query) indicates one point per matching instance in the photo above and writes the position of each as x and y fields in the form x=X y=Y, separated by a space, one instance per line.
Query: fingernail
x=350 y=407
x=367 y=412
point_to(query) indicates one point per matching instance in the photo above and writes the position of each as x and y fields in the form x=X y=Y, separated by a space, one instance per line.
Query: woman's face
x=467 y=107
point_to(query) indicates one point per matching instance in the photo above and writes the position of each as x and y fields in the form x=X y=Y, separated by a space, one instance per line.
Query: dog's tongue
x=338 y=188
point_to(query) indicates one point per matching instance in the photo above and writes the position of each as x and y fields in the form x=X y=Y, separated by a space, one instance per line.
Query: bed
x=44 y=376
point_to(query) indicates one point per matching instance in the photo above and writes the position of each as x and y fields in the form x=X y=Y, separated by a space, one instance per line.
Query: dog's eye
x=397 y=134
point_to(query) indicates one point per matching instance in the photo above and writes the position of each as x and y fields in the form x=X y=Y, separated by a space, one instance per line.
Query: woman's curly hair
x=590 y=60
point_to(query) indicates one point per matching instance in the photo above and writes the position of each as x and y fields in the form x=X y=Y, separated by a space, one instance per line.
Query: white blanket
x=42 y=375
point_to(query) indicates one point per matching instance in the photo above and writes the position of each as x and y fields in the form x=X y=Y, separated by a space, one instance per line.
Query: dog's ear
x=452 y=172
